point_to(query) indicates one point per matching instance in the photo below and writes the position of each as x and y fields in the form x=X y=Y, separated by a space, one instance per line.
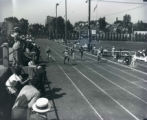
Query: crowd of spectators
x=25 y=85
x=24 y=49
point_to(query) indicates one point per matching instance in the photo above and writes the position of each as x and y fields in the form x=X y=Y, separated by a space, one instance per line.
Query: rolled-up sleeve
x=33 y=100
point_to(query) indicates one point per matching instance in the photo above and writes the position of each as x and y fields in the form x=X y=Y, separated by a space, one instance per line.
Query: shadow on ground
x=52 y=94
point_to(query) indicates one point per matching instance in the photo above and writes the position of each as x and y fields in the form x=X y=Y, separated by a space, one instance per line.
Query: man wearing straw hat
x=40 y=109
x=24 y=101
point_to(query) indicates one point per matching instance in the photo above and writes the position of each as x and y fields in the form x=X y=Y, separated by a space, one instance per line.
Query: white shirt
x=32 y=64
x=11 y=82
x=27 y=97
x=65 y=53
x=16 y=45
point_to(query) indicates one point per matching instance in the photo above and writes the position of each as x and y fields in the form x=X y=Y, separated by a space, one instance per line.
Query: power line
x=121 y=2
x=134 y=8
x=60 y=1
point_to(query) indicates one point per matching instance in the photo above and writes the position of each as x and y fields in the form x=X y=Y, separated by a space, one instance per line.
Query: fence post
x=5 y=54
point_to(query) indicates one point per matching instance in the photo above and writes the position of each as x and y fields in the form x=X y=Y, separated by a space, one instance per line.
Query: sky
x=77 y=10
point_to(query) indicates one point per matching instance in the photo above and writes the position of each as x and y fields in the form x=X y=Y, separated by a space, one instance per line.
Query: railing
x=4 y=54
x=1 y=55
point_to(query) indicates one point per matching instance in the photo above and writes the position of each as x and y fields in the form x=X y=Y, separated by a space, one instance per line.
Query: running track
x=94 y=91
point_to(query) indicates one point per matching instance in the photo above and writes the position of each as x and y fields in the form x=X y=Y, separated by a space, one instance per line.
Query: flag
x=95 y=8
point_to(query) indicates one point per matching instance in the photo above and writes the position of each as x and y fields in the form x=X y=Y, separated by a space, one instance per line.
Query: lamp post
x=56 y=19
x=65 y=21
x=89 y=28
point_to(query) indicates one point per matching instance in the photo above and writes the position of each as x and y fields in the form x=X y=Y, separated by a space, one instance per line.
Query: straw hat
x=42 y=105
x=14 y=34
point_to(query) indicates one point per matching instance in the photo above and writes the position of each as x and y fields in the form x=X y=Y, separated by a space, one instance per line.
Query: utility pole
x=56 y=19
x=65 y=21
x=89 y=28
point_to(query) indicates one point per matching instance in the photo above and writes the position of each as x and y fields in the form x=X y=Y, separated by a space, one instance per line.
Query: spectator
x=16 y=47
x=93 y=49
x=98 y=55
x=48 y=51
x=40 y=108
x=13 y=80
x=73 y=55
x=133 y=60
x=39 y=77
x=24 y=101
x=66 y=55
x=81 y=52
x=113 y=50
x=31 y=63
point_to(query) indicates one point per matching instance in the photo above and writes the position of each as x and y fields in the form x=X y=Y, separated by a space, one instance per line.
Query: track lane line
x=132 y=75
x=113 y=62
x=123 y=77
x=117 y=85
x=113 y=82
x=84 y=97
x=136 y=118
x=121 y=65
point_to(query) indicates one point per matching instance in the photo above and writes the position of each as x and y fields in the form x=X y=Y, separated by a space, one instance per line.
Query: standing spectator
x=113 y=50
x=73 y=55
x=24 y=101
x=66 y=55
x=81 y=52
x=74 y=46
x=16 y=47
x=133 y=60
x=48 y=51
x=93 y=49
x=102 y=50
x=98 y=55
x=39 y=77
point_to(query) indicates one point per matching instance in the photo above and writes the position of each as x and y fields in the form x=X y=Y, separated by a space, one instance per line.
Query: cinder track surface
x=93 y=91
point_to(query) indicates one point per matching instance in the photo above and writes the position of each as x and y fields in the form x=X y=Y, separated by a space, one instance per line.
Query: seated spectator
x=39 y=77
x=24 y=101
x=40 y=108
x=12 y=81
x=15 y=81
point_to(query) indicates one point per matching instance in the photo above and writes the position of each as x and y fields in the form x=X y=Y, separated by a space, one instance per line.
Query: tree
x=23 y=26
x=37 y=30
x=13 y=20
x=69 y=29
x=140 y=26
x=60 y=26
x=51 y=26
x=126 y=19
x=102 y=23
x=127 y=24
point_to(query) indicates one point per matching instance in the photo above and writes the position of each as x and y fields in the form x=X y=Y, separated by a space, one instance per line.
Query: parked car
x=140 y=55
